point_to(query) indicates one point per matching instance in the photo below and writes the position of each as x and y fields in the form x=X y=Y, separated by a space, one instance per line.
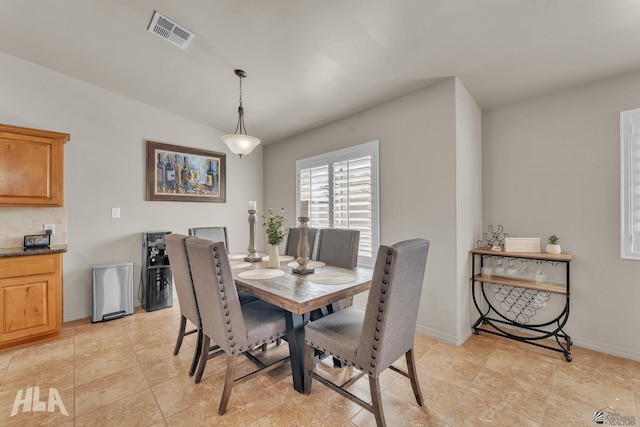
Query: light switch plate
x=115 y=212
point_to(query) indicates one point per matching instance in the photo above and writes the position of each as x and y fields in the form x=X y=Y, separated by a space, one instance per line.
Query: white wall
x=418 y=184
x=551 y=166
x=105 y=168
x=468 y=200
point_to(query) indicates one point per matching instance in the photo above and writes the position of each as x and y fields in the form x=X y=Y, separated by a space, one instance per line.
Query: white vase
x=553 y=249
x=274 y=257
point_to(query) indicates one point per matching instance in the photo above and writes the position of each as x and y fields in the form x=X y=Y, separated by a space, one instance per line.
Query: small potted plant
x=553 y=247
x=276 y=232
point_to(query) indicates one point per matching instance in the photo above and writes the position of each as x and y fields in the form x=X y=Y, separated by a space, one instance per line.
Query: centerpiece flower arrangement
x=276 y=232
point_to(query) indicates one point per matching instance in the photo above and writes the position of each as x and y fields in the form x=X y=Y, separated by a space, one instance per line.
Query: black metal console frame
x=540 y=331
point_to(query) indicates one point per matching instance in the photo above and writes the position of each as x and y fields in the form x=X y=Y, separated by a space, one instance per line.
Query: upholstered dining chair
x=293 y=237
x=371 y=340
x=186 y=295
x=215 y=234
x=236 y=328
x=338 y=247
x=181 y=271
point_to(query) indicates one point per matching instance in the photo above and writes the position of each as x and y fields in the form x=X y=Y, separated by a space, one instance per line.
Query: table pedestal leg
x=295 y=336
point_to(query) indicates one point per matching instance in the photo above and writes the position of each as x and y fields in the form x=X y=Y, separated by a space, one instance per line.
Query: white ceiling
x=312 y=61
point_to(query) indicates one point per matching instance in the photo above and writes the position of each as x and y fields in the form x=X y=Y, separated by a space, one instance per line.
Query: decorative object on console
x=553 y=247
x=239 y=142
x=303 y=243
x=182 y=174
x=522 y=244
x=276 y=232
x=494 y=239
x=253 y=251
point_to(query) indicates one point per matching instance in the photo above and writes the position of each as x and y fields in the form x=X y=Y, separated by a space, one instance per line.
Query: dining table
x=299 y=295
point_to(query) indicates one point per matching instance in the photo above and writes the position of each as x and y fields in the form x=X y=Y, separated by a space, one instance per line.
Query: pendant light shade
x=239 y=142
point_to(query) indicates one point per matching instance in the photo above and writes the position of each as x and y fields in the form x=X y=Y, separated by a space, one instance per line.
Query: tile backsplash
x=16 y=222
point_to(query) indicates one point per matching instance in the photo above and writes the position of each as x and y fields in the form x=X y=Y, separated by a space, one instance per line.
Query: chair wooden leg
x=196 y=354
x=228 y=383
x=413 y=377
x=183 y=326
x=309 y=353
x=204 y=353
x=376 y=401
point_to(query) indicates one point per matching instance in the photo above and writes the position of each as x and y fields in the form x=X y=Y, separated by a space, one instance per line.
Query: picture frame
x=186 y=175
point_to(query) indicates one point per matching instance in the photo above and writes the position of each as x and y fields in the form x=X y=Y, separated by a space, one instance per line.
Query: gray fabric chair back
x=392 y=308
x=293 y=237
x=215 y=234
x=216 y=290
x=179 y=262
x=338 y=247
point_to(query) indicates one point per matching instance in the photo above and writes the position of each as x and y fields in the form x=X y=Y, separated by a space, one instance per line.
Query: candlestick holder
x=303 y=247
x=253 y=251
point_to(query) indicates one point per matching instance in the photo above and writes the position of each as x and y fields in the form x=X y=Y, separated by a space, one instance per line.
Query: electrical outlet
x=49 y=228
x=115 y=212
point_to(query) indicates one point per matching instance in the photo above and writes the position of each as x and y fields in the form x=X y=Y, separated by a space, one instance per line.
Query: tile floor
x=123 y=373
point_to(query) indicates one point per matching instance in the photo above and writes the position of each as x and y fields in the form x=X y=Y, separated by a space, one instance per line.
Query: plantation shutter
x=630 y=183
x=341 y=188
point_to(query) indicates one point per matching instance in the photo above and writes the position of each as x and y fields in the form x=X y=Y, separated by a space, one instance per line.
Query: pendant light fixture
x=239 y=142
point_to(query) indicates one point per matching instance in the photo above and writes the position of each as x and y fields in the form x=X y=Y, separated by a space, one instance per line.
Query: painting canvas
x=183 y=174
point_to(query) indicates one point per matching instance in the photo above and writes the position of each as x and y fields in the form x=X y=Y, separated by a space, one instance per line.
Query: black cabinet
x=157 y=283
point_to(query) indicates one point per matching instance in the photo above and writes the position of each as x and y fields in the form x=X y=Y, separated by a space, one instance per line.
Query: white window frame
x=361 y=150
x=630 y=184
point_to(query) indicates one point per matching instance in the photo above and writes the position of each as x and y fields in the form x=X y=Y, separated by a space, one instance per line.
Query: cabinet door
x=31 y=167
x=28 y=306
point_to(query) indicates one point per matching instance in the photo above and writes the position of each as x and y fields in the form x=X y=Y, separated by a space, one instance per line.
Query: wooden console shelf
x=515 y=300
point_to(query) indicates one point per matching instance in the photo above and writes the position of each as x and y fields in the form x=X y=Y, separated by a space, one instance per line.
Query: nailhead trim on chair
x=383 y=291
x=225 y=307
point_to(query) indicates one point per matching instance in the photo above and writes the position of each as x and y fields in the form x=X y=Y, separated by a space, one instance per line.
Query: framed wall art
x=183 y=174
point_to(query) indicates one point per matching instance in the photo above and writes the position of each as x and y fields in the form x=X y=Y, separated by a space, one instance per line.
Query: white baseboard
x=440 y=336
x=85 y=314
x=605 y=348
x=77 y=316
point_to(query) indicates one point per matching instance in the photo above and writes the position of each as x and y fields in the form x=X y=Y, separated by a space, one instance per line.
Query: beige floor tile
x=455 y=364
x=181 y=392
x=139 y=409
x=595 y=387
x=564 y=411
x=57 y=374
x=476 y=409
x=440 y=395
x=62 y=408
x=95 y=394
x=123 y=372
x=101 y=361
x=302 y=410
x=168 y=366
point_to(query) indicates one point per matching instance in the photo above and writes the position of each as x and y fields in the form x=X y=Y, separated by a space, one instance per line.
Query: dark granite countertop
x=13 y=252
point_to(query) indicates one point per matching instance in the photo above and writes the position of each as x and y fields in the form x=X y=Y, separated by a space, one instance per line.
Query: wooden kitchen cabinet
x=31 y=167
x=30 y=299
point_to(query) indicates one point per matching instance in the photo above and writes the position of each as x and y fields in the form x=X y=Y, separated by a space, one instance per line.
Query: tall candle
x=304 y=208
x=253 y=205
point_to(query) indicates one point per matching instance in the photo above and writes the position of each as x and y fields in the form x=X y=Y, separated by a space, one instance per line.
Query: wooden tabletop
x=295 y=293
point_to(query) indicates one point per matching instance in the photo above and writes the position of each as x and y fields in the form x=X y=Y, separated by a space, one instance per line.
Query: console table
x=507 y=300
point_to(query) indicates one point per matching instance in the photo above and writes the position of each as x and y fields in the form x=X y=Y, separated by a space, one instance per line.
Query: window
x=342 y=190
x=630 y=184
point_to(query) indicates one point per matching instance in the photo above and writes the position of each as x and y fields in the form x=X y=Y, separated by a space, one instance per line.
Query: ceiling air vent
x=170 y=31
